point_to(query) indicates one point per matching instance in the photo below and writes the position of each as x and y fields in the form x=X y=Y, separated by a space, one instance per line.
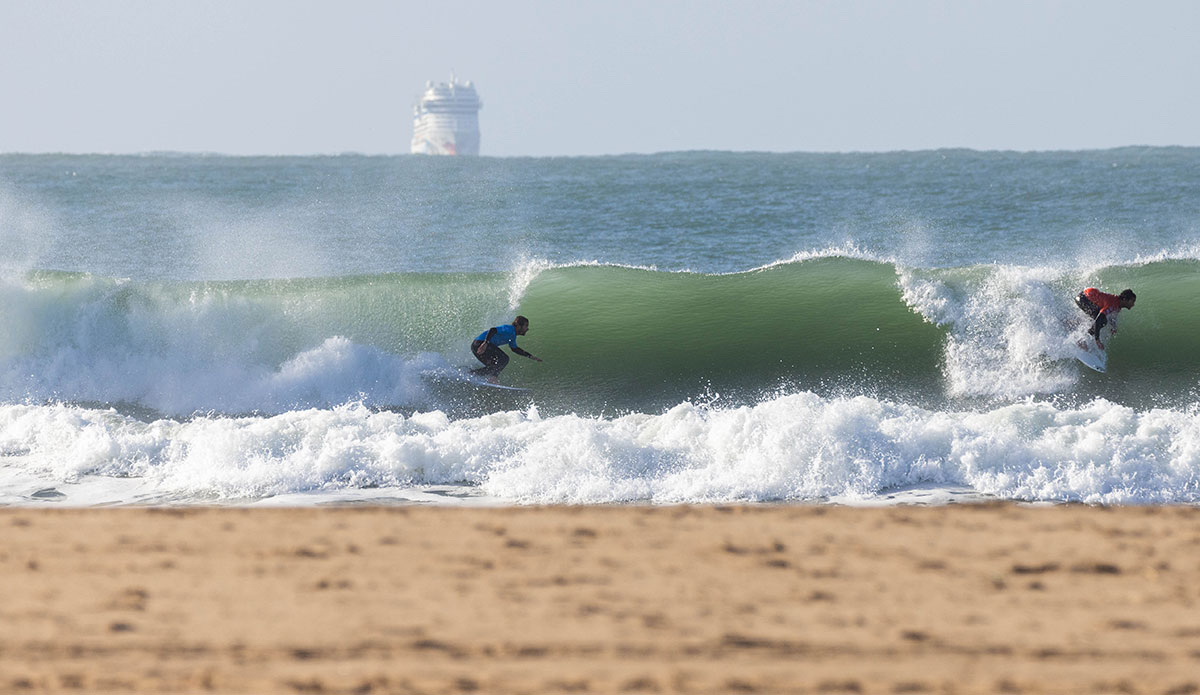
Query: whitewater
x=716 y=327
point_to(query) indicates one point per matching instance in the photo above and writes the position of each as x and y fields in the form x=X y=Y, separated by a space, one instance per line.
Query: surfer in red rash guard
x=1100 y=305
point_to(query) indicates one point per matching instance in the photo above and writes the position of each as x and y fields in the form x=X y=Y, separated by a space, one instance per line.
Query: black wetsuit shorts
x=1099 y=320
x=493 y=358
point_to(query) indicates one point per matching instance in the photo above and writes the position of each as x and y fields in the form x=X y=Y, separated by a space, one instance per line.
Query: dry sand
x=954 y=599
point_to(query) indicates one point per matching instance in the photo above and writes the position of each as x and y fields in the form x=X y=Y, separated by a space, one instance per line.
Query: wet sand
x=994 y=598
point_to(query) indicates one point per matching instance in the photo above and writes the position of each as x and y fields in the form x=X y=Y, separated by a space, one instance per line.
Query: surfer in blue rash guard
x=486 y=348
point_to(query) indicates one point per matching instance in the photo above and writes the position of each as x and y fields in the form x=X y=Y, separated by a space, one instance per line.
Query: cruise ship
x=446 y=119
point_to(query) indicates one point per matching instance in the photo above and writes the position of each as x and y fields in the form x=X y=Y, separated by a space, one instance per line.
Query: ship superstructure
x=446 y=119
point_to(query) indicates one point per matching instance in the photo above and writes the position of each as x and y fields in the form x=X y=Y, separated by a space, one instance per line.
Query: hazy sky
x=571 y=77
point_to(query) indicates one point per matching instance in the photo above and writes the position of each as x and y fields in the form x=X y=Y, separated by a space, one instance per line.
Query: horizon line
x=352 y=153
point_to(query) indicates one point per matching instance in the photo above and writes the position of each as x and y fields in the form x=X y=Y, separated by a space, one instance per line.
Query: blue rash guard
x=506 y=334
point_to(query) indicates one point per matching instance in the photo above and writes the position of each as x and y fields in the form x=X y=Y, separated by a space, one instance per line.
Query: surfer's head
x=1127 y=298
x=522 y=325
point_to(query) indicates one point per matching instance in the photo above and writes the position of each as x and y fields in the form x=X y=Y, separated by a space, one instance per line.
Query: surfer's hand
x=480 y=350
x=535 y=359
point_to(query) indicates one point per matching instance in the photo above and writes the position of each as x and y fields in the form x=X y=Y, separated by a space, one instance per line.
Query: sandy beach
x=766 y=599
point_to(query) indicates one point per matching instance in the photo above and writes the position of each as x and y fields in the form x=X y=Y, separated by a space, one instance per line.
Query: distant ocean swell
x=615 y=339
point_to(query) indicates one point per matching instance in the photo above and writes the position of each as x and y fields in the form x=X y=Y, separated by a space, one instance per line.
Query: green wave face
x=631 y=338
x=641 y=338
x=1155 y=357
x=613 y=338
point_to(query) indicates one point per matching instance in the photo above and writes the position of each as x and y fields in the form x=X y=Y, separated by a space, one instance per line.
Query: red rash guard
x=1108 y=303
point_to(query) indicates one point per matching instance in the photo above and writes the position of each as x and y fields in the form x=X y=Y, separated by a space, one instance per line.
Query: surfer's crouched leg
x=1093 y=311
x=493 y=358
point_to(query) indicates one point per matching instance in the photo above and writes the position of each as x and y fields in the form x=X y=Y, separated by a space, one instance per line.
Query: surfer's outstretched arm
x=518 y=351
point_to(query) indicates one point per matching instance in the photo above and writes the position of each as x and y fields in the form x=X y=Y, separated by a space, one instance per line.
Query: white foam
x=793 y=447
x=1012 y=329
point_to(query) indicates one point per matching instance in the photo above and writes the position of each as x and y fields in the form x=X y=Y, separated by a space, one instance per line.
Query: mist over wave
x=178 y=348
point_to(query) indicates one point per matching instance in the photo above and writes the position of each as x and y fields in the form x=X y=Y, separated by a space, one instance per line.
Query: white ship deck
x=446 y=119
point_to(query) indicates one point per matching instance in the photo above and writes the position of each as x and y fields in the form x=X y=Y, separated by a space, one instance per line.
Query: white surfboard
x=465 y=374
x=474 y=378
x=489 y=385
x=1091 y=354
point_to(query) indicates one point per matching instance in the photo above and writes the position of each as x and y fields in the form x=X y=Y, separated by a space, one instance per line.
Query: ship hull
x=445 y=142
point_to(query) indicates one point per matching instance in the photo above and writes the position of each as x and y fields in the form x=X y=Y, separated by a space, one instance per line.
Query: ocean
x=716 y=327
